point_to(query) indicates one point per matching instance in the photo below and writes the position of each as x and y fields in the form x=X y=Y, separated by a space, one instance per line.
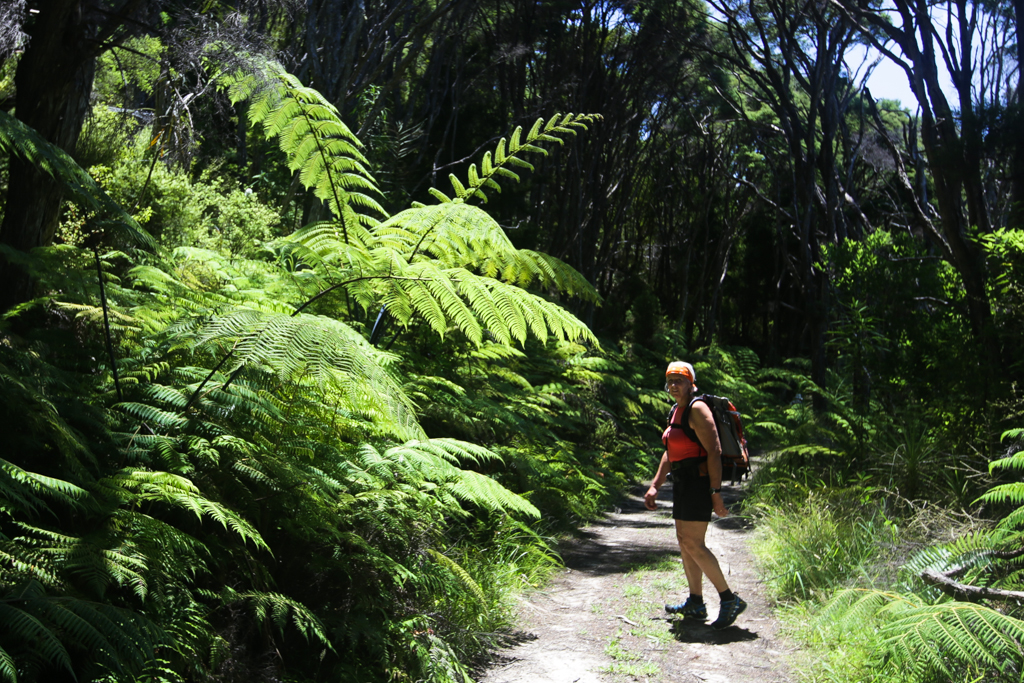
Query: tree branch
x=965 y=592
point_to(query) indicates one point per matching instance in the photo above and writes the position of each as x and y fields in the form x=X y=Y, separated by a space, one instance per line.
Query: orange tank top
x=678 y=444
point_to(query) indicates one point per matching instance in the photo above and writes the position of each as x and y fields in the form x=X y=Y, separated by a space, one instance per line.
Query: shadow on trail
x=605 y=559
x=699 y=632
x=588 y=551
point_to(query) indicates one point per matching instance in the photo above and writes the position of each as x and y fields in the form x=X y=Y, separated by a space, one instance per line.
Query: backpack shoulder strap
x=684 y=422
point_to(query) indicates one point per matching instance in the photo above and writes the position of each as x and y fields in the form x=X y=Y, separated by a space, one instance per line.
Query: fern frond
x=812 y=450
x=8 y=671
x=181 y=493
x=16 y=137
x=27 y=627
x=555 y=130
x=1005 y=493
x=921 y=637
x=325 y=351
x=967 y=634
x=315 y=141
x=1012 y=462
x=479 y=489
x=462 y=236
x=508 y=312
x=16 y=482
x=276 y=608
x=434 y=460
x=461 y=574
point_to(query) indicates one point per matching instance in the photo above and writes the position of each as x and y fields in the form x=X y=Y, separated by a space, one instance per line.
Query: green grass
x=647 y=669
x=627 y=662
x=633 y=591
x=858 y=537
x=806 y=550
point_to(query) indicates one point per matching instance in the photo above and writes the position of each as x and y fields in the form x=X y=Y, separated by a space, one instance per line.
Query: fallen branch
x=966 y=592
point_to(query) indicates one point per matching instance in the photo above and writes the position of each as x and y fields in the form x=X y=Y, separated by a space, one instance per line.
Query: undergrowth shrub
x=868 y=579
x=210 y=212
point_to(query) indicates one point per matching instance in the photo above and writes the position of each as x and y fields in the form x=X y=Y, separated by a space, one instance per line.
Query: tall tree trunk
x=952 y=153
x=1017 y=128
x=53 y=81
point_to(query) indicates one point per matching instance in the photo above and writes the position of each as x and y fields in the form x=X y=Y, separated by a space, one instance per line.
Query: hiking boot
x=689 y=609
x=728 y=611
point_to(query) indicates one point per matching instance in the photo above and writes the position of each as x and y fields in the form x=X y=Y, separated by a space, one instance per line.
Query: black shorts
x=691 y=492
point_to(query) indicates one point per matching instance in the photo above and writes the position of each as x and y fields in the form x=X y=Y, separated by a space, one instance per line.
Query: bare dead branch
x=965 y=592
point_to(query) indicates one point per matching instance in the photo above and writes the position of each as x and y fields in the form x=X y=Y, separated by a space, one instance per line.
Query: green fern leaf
x=461 y=574
x=315 y=141
x=8 y=671
x=29 y=628
x=513 y=145
x=440 y=196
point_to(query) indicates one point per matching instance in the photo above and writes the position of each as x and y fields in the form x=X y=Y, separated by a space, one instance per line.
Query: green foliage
x=312 y=136
x=17 y=138
x=211 y=212
x=133 y=66
x=916 y=640
x=882 y=626
x=808 y=548
x=248 y=474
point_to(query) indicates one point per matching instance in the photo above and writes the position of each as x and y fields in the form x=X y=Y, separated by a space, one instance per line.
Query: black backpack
x=735 y=458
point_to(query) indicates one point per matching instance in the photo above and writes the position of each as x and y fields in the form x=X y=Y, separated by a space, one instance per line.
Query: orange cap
x=678 y=367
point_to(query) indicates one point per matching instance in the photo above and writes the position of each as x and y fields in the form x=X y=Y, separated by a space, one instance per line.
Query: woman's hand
x=651 y=498
x=718 y=505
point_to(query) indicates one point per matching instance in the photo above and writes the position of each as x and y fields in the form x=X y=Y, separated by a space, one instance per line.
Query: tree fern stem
x=206 y=379
x=398 y=333
x=152 y=166
x=330 y=177
x=106 y=326
x=379 y=326
x=423 y=237
x=348 y=282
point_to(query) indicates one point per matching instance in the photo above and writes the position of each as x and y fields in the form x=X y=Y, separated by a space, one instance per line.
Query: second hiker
x=696 y=467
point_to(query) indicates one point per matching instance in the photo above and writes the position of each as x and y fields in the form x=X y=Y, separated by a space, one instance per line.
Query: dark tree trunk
x=1017 y=133
x=53 y=81
x=952 y=153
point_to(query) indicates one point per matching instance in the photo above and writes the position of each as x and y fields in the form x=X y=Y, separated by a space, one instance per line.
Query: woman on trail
x=696 y=467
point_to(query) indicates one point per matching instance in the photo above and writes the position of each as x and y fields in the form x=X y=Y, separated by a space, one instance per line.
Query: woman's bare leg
x=694 y=576
x=691 y=545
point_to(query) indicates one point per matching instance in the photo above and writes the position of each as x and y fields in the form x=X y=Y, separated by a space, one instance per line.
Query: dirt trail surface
x=602 y=619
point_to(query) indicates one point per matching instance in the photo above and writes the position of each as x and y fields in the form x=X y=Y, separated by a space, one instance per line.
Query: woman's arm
x=659 y=478
x=703 y=423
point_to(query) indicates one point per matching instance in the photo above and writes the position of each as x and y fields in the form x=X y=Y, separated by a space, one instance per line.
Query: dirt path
x=602 y=619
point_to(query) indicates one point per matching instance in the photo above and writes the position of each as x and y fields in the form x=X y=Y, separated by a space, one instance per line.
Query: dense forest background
x=322 y=318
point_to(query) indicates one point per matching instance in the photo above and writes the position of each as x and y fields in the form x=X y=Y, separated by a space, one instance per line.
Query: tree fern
x=250 y=476
x=316 y=142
